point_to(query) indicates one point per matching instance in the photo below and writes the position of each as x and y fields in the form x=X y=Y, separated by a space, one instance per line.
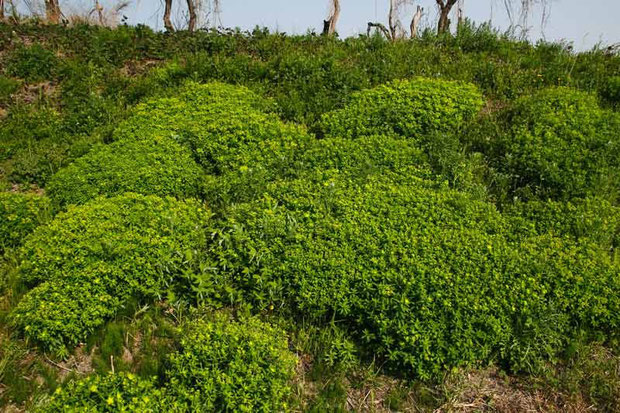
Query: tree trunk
x=99 y=10
x=445 y=6
x=52 y=11
x=415 y=22
x=392 y=20
x=459 y=13
x=168 y=9
x=1 y=10
x=192 y=15
x=329 y=25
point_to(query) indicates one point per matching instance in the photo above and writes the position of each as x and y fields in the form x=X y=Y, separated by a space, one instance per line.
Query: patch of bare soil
x=80 y=363
x=488 y=391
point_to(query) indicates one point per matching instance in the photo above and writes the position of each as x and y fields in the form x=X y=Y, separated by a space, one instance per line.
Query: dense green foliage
x=19 y=215
x=562 y=145
x=122 y=392
x=408 y=108
x=153 y=165
x=32 y=63
x=428 y=276
x=220 y=365
x=223 y=365
x=591 y=218
x=388 y=211
x=91 y=259
x=227 y=132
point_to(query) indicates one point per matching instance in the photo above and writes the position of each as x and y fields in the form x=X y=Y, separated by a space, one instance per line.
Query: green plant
x=406 y=107
x=611 y=91
x=592 y=218
x=121 y=392
x=429 y=277
x=20 y=214
x=8 y=86
x=226 y=133
x=561 y=145
x=32 y=63
x=152 y=165
x=89 y=261
x=226 y=365
x=24 y=126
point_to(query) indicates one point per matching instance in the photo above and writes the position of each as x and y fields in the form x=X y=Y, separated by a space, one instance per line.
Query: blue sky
x=584 y=23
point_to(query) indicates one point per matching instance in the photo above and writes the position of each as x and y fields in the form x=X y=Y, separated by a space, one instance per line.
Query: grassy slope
x=64 y=89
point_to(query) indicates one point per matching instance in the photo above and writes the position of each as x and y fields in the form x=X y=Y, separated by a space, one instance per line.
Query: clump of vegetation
x=90 y=260
x=611 y=91
x=406 y=107
x=415 y=214
x=591 y=218
x=227 y=135
x=223 y=365
x=20 y=214
x=113 y=392
x=8 y=86
x=152 y=165
x=427 y=276
x=33 y=63
x=561 y=145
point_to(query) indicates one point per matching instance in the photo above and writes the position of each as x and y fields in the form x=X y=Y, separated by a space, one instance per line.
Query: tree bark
x=1 y=10
x=445 y=6
x=192 y=15
x=52 y=11
x=329 y=25
x=168 y=9
x=415 y=22
x=392 y=20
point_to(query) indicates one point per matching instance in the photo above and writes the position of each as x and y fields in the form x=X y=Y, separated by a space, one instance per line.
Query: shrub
x=153 y=165
x=20 y=214
x=23 y=127
x=226 y=134
x=91 y=259
x=591 y=218
x=8 y=86
x=611 y=91
x=427 y=276
x=406 y=107
x=32 y=63
x=223 y=365
x=122 y=392
x=368 y=155
x=561 y=145
x=194 y=106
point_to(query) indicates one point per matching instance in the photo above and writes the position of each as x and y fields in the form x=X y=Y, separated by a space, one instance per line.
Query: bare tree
x=415 y=22
x=191 y=25
x=52 y=11
x=519 y=12
x=329 y=25
x=460 y=6
x=393 y=19
x=167 y=10
x=395 y=28
x=445 y=6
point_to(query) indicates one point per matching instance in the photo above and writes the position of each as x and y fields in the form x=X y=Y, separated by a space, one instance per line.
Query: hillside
x=233 y=221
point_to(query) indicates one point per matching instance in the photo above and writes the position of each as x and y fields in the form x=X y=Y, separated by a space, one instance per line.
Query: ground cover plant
x=251 y=221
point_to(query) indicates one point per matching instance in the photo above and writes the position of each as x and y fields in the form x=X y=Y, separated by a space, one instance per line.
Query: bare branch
x=381 y=27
